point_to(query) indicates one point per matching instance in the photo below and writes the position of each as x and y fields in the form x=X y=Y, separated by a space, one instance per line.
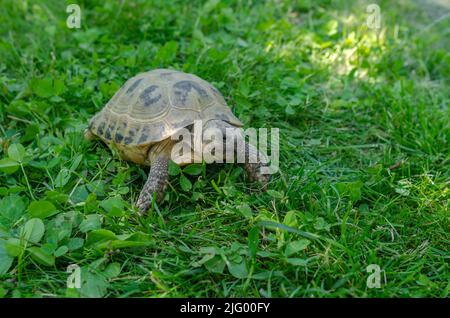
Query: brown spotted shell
x=152 y=106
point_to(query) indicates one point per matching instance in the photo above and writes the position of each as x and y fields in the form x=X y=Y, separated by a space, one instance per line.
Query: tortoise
x=150 y=108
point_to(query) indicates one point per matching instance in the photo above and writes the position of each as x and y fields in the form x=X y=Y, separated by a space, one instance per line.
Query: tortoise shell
x=154 y=105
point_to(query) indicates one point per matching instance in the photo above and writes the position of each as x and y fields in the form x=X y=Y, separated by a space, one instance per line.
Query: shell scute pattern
x=133 y=86
x=186 y=90
x=152 y=106
x=149 y=96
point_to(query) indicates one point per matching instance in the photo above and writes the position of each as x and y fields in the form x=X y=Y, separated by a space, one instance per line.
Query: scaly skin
x=159 y=157
x=254 y=169
x=156 y=183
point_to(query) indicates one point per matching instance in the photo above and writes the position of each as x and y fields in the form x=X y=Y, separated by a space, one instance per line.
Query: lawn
x=363 y=114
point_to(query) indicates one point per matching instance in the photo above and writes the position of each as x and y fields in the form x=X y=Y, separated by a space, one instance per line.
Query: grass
x=364 y=126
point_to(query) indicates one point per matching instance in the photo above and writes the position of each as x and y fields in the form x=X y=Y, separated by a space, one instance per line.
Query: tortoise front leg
x=156 y=183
